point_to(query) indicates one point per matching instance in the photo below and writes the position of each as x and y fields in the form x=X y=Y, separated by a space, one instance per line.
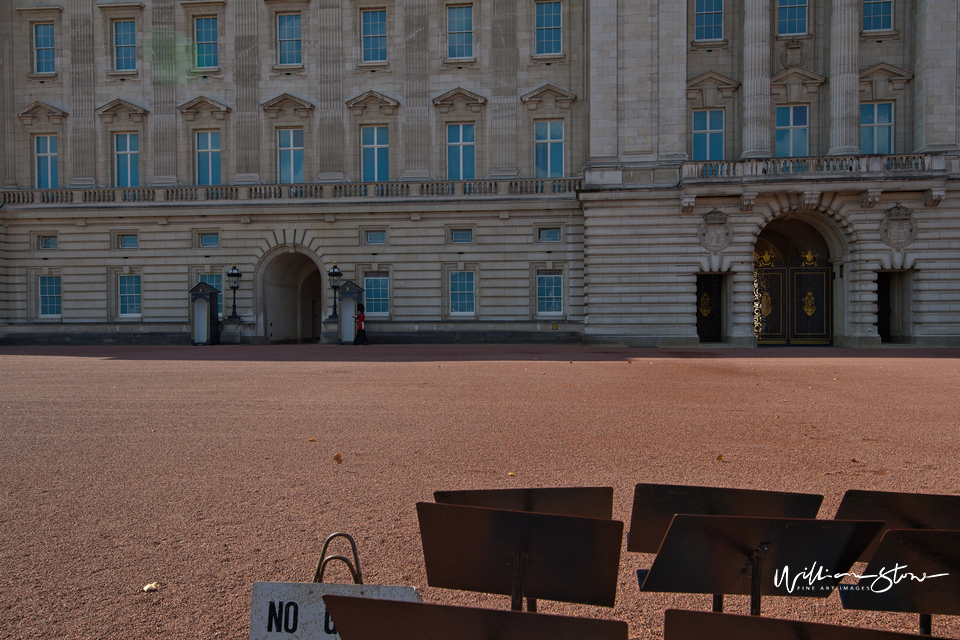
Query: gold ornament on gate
x=705 y=305
x=766 y=304
x=809 y=304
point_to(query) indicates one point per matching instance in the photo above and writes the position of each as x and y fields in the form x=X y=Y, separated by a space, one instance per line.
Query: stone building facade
x=608 y=171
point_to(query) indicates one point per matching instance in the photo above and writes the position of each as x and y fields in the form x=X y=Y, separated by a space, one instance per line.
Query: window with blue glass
x=549 y=28
x=460 y=32
x=877 y=15
x=215 y=280
x=208 y=157
x=708 y=134
x=127 y=159
x=462 y=295
x=550 y=292
x=876 y=128
x=49 y=295
x=288 y=38
x=791 y=17
x=43 y=48
x=375 y=153
x=374 y=35
x=290 y=156
x=792 y=129
x=206 y=38
x=708 y=20
x=376 y=292
x=124 y=45
x=460 y=152
x=128 y=293
x=46 y=156
x=548 y=148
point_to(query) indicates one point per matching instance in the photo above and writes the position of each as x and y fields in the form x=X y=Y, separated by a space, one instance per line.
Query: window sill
x=131 y=73
x=43 y=77
x=709 y=44
x=786 y=37
x=873 y=36
x=459 y=62
x=216 y=72
x=547 y=58
x=279 y=69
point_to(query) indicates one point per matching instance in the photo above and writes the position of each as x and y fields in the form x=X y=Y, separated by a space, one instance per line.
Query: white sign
x=295 y=610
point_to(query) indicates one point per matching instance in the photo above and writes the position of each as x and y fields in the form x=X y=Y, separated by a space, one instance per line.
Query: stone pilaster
x=330 y=110
x=603 y=94
x=8 y=177
x=756 y=79
x=935 y=79
x=164 y=115
x=416 y=140
x=503 y=89
x=246 y=134
x=672 y=81
x=81 y=80
x=844 y=77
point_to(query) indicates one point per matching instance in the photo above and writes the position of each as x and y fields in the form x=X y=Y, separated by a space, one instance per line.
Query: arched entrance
x=292 y=304
x=793 y=288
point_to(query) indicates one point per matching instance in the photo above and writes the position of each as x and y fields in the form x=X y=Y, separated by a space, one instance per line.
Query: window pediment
x=548 y=96
x=203 y=108
x=459 y=99
x=37 y=112
x=711 y=90
x=883 y=82
x=795 y=85
x=286 y=104
x=118 y=109
x=374 y=101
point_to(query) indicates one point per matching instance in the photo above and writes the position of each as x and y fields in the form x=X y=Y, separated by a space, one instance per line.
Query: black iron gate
x=792 y=305
x=709 y=301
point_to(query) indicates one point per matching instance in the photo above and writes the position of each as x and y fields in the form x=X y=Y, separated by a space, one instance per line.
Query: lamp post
x=234 y=275
x=334 y=275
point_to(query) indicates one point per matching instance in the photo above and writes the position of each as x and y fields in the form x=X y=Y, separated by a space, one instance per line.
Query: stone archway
x=292 y=287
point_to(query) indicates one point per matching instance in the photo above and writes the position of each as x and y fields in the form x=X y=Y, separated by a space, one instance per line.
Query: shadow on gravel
x=456 y=352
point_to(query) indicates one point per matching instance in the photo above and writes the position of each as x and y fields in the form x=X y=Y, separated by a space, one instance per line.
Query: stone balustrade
x=815 y=168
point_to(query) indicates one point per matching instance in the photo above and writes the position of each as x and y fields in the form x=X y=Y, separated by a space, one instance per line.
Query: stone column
x=844 y=77
x=672 y=81
x=163 y=66
x=503 y=89
x=603 y=96
x=756 y=79
x=246 y=133
x=330 y=110
x=935 y=80
x=82 y=103
x=8 y=174
x=415 y=112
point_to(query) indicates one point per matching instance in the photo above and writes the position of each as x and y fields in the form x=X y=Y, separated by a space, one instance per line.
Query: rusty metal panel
x=700 y=625
x=584 y=502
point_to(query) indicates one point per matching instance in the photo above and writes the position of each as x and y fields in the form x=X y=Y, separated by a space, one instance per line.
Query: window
x=127 y=241
x=708 y=135
x=709 y=20
x=43 y=48
x=46 y=147
x=288 y=39
x=124 y=45
x=206 y=39
x=127 y=148
x=374 y=143
x=791 y=17
x=49 y=295
x=290 y=156
x=461 y=292
x=376 y=294
x=375 y=237
x=550 y=292
x=791 y=131
x=461 y=236
x=550 y=234
x=548 y=143
x=374 y=35
x=460 y=152
x=128 y=295
x=208 y=241
x=460 y=32
x=549 y=28
x=47 y=243
x=215 y=280
x=208 y=157
x=877 y=15
x=876 y=128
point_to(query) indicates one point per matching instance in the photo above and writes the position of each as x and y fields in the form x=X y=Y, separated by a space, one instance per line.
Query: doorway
x=292 y=288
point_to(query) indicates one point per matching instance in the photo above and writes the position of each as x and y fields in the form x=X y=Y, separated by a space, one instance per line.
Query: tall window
x=376 y=292
x=549 y=28
x=709 y=20
x=375 y=153
x=127 y=159
x=876 y=128
x=549 y=292
x=791 y=17
x=49 y=295
x=792 y=131
x=206 y=38
x=877 y=15
x=215 y=280
x=708 y=135
x=462 y=292
x=288 y=38
x=46 y=147
x=548 y=148
x=460 y=32
x=460 y=152
x=124 y=45
x=128 y=293
x=208 y=157
x=374 y=35
x=290 y=156
x=43 y=48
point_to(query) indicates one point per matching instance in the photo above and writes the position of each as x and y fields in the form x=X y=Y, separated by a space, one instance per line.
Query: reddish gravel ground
x=207 y=469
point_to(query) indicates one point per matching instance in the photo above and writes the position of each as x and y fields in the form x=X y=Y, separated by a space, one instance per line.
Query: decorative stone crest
x=715 y=233
x=898 y=228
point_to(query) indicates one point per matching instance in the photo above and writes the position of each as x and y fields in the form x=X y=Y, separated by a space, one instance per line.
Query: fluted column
x=503 y=89
x=756 y=79
x=935 y=81
x=82 y=99
x=844 y=77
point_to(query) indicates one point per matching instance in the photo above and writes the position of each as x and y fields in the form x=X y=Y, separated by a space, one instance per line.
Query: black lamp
x=334 y=275
x=234 y=275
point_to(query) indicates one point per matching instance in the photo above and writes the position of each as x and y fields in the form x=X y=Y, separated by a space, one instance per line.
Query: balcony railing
x=811 y=168
x=558 y=187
